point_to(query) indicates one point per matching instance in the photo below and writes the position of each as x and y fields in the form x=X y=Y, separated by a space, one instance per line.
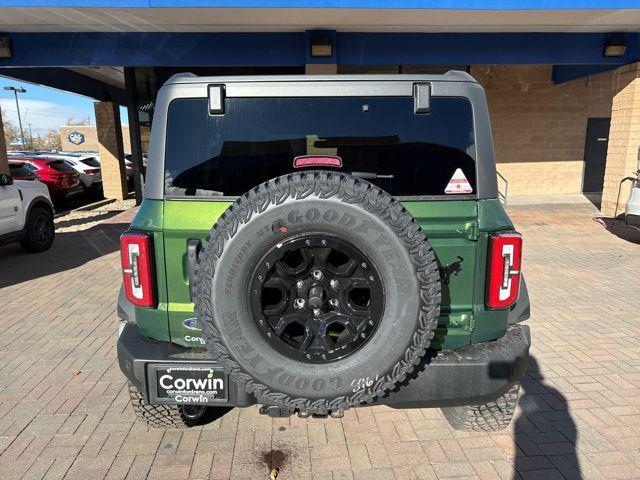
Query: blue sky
x=46 y=108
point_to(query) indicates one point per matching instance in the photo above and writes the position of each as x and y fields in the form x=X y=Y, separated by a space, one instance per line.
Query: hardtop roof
x=450 y=76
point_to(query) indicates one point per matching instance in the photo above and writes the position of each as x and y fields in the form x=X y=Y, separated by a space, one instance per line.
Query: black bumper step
x=474 y=374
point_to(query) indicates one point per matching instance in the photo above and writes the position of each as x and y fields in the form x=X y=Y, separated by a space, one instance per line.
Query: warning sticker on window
x=458 y=183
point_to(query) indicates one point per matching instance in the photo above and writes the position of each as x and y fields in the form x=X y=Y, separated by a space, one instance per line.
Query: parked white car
x=632 y=210
x=87 y=166
x=26 y=214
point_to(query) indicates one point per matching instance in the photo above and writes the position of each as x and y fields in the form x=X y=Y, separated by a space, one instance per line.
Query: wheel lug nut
x=334 y=284
x=317 y=275
x=299 y=303
x=316 y=312
x=299 y=284
x=364 y=265
x=334 y=302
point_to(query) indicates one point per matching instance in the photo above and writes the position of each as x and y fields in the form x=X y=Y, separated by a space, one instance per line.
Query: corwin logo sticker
x=191 y=323
x=76 y=137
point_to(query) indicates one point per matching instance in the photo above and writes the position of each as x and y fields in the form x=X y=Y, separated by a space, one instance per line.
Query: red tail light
x=137 y=270
x=505 y=261
x=92 y=170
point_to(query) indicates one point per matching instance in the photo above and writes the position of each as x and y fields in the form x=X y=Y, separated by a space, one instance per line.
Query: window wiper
x=371 y=175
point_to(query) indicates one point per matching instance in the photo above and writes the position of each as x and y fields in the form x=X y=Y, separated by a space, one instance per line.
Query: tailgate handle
x=193 y=249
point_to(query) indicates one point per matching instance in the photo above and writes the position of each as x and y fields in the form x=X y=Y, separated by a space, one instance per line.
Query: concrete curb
x=86 y=208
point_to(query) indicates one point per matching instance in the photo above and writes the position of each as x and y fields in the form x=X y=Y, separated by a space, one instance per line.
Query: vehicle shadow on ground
x=544 y=431
x=69 y=250
x=620 y=229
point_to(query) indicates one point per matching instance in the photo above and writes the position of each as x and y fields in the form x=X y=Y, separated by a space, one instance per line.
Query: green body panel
x=153 y=322
x=489 y=324
x=184 y=221
x=457 y=230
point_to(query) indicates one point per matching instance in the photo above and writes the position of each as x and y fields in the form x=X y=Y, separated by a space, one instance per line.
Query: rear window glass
x=91 y=162
x=60 y=166
x=378 y=138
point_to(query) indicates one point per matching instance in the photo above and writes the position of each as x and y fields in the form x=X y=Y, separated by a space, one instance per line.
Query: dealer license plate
x=191 y=384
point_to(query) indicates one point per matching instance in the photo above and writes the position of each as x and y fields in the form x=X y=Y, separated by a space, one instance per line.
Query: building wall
x=624 y=139
x=90 y=143
x=538 y=127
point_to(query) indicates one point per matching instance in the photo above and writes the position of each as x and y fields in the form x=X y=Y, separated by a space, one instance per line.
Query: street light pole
x=16 y=91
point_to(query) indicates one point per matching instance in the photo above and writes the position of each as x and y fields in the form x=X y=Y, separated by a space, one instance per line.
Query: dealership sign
x=76 y=137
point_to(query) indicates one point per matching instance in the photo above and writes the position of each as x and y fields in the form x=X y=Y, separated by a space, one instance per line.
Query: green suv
x=317 y=243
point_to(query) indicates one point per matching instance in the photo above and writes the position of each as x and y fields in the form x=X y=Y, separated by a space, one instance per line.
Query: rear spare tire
x=317 y=291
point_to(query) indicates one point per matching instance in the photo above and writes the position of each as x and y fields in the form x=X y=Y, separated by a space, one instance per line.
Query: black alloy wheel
x=316 y=298
x=42 y=228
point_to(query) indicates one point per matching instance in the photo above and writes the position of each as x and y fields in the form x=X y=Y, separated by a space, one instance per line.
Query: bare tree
x=10 y=131
x=71 y=121
x=51 y=141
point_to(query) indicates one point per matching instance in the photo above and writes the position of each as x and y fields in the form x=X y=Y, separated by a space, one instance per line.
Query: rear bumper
x=78 y=189
x=59 y=191
x=473 y=374
x=137 y=355
x=477 y=373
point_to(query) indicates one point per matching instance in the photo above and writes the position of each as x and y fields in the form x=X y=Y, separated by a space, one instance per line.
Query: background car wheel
x=317 y=291
x=486 y=417
x=40 y=230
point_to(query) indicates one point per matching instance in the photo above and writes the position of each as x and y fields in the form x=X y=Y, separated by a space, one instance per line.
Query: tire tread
x=157 y=416
x=486 y=417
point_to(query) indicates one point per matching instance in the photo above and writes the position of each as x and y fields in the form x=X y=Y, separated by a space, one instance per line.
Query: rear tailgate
x=452 y=228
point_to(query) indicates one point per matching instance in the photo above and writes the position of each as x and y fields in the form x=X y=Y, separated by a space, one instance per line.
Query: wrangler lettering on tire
x=317 y=291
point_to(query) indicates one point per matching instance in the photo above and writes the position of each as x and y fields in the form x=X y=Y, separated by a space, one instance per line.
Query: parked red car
x=59 y=177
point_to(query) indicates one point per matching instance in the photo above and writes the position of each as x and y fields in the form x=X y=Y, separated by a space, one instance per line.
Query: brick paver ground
x=63 y=401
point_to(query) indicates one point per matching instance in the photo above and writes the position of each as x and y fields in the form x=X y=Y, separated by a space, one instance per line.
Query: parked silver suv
x=632 y=210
